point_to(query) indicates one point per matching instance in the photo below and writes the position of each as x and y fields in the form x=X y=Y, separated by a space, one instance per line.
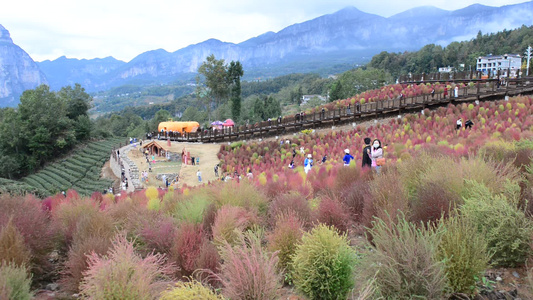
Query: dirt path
x=208 y=159
x=187 y=173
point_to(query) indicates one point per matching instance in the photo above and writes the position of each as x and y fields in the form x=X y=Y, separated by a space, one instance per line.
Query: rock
x=515 y=274
x=18 y=71
x=52 y=286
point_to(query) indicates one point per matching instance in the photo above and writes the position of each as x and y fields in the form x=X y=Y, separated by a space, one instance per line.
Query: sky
x=126 y=28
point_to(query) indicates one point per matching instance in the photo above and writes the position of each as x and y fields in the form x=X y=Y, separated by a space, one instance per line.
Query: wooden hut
x=155 y=148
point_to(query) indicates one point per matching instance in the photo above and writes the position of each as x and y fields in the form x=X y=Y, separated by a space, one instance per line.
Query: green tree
x=266 y=107
x=235 y=73
x=78 y=101
x=160 y=116
x=45 y=123
x=214 y=74
x=83 y=127
x=336 y=91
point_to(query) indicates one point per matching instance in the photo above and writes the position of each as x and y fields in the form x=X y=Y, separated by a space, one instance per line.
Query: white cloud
x=124 y=29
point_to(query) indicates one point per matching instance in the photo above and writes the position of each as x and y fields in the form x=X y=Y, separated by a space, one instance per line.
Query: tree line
x=45 y=125
x=431 y=57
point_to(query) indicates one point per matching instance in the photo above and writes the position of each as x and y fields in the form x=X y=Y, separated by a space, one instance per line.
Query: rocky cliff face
x=18 y=72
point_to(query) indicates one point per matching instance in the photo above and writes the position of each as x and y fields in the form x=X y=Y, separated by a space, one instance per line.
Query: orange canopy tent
x=178 y=126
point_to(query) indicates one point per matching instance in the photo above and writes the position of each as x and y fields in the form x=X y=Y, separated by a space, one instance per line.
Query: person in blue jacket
x=347 y=157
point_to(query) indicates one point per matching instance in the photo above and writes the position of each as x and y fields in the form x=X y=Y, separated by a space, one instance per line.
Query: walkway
x=483 y=90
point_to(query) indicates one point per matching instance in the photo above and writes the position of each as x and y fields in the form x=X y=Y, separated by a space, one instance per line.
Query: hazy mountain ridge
x=348 y=35
x=334 y=36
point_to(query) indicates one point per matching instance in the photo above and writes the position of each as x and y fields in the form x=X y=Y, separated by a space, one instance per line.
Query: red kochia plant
x=77 y=261
x=13 y=250
x=187 y=247
x=290 y=203
x=157 y=232
x=434 y=202
x=248 y=272
x=353 y=189
x=93 y=234
x=124 y=274
x=67 y=215
x=333 y=213
x=208 y=262
x=32 y=222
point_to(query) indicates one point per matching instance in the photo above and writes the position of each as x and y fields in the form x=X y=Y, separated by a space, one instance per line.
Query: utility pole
x=528 y=53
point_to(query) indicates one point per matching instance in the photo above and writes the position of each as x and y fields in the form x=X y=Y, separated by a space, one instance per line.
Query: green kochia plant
x=464 y=252
x=404 y=263
x=323 y=264
x=506 y=228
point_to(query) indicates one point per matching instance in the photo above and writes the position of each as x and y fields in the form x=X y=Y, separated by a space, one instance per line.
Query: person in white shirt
x=199 y=174
x=308 y=163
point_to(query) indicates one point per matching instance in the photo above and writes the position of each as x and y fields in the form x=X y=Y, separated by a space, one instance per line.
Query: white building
x=447 y=69
x=306 y=98
x=503 y=63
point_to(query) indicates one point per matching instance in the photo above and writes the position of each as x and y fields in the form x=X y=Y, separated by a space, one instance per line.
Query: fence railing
x=479 y=90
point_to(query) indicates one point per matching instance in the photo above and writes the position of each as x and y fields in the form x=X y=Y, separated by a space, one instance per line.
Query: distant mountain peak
x=421 y=11
x=4 y=35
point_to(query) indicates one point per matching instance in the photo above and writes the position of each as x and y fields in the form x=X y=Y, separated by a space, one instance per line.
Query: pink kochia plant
x=248 y=271
x=124 y=274
x=433 y=130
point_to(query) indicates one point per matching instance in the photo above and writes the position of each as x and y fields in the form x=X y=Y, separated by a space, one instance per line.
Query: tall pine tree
x=234 y=77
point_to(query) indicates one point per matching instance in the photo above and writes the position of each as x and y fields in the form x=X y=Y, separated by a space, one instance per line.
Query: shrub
x=404 y=261
x=323 y=264
x=189 y=290
x=157 y=232
x=187 y=246
x=209 y=219
x=123 y=274
x=14 y=282
x=33 y=224
x=92 y=233
x=248 y=272
x=506 y=228
x=192 y=209
x=13 y=250
x=388 y=198
x=333 y=213
x=77 y=261
x=353 y=196
x=229 y=221
x=497 y=177
x=464 y=252
x=287 y=233
x=67 y=215
x=208 y=260
x=241 y=194
x=290 y=203
x=434 y=201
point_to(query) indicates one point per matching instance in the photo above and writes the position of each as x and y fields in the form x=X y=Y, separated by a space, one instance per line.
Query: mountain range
x=348 y=36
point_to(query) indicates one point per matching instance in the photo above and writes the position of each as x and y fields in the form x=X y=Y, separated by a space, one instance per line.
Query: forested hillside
x=431 y=57
x=44 y=126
